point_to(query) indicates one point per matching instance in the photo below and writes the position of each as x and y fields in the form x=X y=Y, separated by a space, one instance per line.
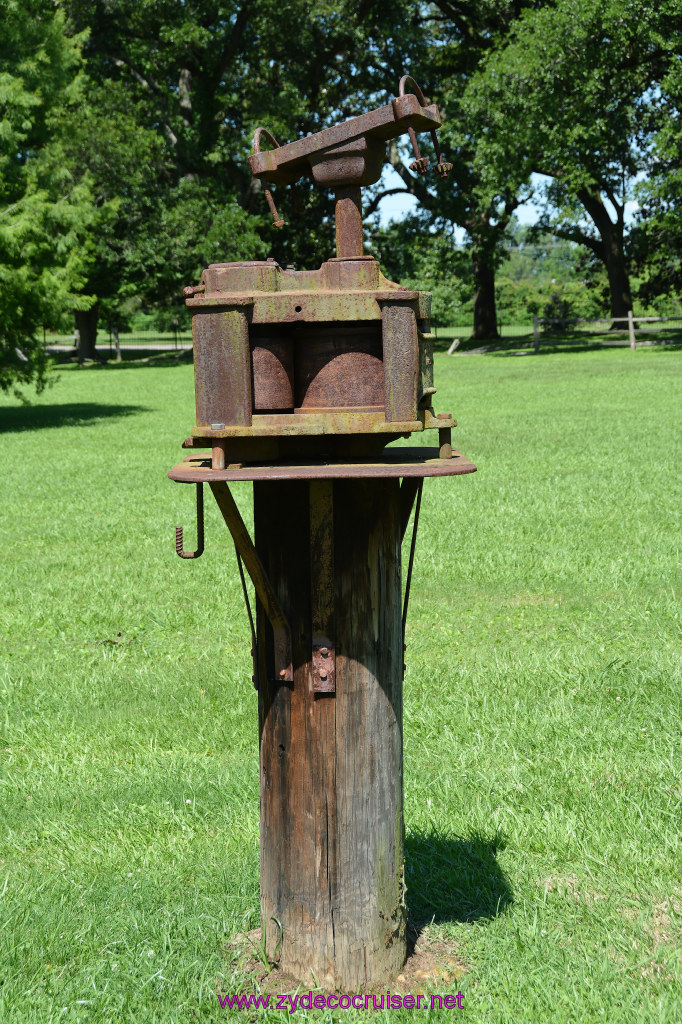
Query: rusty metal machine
x=302 y=379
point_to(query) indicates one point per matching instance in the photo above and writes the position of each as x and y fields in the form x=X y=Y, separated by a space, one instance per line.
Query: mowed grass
x=543 y=789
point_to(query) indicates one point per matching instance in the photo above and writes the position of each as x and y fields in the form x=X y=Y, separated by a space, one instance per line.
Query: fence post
x=631 y=330
x=536 y=334
x=117 y=343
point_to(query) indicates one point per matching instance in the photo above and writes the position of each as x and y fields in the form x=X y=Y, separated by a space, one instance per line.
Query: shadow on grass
x=132 y=360
x=147 y=357
x=454 y=878
x=549 y=347
x=70 y=414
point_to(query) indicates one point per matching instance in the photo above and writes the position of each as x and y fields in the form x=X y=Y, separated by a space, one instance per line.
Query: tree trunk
x=86 y=324
x=485 y=310
x=619 y=280
x=610 y=250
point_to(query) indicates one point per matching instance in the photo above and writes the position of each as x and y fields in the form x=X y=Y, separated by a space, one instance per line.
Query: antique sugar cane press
x=302 y=379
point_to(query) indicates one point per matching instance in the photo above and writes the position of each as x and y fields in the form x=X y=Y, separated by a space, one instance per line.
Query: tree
x=43 y=211
x=657 y=234
x=448 y=40
x=187 y=84
x=547 y=276
x=569 y=96
x=417 y=256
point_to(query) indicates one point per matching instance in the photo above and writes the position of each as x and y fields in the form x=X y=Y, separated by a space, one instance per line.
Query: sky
x=396 y=207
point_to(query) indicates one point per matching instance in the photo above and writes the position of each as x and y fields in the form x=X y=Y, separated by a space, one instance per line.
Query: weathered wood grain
x=332 y=889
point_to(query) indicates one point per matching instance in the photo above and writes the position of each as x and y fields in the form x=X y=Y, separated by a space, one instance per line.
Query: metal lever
x=276 y=219
x=420 y=163
x=200 y=530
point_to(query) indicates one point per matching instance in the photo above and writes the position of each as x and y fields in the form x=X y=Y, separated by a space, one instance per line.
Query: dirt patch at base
x=432 y=964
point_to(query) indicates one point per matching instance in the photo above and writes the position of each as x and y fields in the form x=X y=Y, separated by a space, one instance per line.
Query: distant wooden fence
x=630 y=320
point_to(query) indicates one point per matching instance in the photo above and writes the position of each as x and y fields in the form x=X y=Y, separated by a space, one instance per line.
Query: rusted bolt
x=193 y=289
x=276 y=219
x=282 y=673
x=324 y=651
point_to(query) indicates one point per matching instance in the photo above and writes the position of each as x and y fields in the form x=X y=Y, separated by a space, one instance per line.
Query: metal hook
x=417 y=91
x=276 y=219
x=256 y=139
x=420 y=163
x=200 y=529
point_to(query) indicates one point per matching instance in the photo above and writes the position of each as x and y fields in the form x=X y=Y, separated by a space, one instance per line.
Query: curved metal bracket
x=421 y=163
x=256 y=138
x=415 y=89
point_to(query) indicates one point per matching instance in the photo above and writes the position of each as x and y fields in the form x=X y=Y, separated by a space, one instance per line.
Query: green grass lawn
x=520 y=336
x=543 y=770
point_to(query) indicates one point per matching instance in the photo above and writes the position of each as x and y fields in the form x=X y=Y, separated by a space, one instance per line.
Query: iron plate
x=393 y=462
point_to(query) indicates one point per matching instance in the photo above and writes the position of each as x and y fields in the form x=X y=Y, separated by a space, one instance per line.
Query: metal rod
x=276 y=219
x=412 y=549
x=408 y=492
x=254 y=648
x=179 y=546
x=259 y=578
x=420 y=163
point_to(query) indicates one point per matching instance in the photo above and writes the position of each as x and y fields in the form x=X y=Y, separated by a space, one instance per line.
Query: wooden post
x=631 y=331
x=331 y=781
x=536 y=334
